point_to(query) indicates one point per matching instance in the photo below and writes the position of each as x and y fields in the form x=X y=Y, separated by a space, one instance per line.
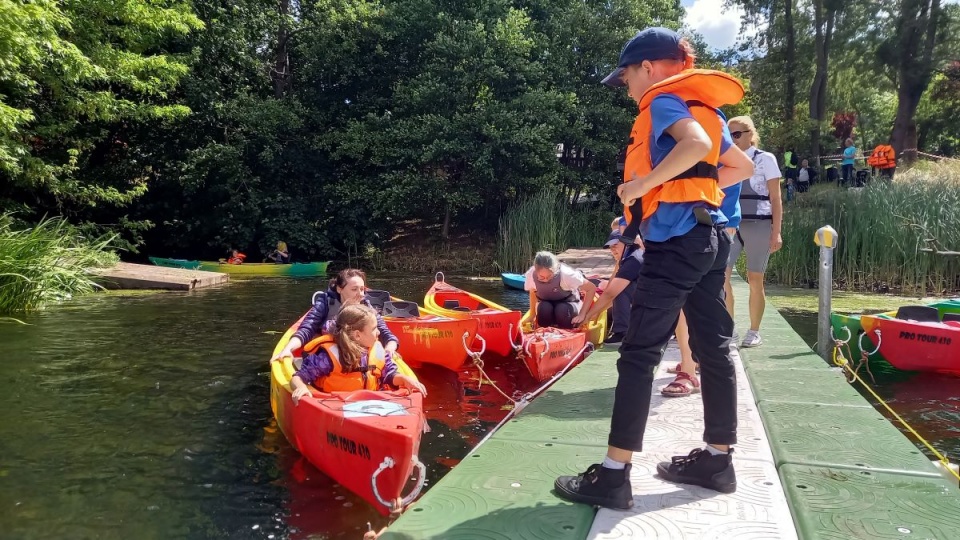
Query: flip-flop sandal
x=682 y=386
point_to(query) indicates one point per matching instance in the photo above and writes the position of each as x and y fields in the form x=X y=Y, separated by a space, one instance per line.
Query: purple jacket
x=313 y=322
x=318 y=365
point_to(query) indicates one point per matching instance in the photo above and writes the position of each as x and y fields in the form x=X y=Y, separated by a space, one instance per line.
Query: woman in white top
x=555 y=291
x=761 y=209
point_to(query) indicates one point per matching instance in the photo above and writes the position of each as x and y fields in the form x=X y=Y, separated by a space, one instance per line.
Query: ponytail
x=351 y=318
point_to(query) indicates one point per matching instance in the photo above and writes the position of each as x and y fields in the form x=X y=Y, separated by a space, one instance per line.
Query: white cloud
x=719 y=25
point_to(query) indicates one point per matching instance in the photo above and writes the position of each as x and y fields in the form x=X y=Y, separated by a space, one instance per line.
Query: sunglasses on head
x=737 y=134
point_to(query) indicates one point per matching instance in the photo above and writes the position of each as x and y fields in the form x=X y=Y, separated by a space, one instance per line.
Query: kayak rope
x=851 y=374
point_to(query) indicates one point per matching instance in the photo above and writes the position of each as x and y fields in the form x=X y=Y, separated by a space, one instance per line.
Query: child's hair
x=341 y=279
x=351 y=318
x=615 y=224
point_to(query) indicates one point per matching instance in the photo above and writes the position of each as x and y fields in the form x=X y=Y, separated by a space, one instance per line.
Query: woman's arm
x=776 y=206
x=613 y=289
x=533 y=308
x=387 y=338
x=590 y=292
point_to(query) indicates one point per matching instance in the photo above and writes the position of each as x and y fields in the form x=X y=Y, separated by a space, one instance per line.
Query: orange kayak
x=366 y=441
x=429 y=339
x=498 y=326
x=549 y=350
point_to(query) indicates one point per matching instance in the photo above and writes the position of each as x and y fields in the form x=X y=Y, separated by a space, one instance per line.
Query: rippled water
x=148 y=416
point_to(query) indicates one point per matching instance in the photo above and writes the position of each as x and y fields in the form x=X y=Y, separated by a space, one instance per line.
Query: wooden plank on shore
x=143 y=276
x=592 y=261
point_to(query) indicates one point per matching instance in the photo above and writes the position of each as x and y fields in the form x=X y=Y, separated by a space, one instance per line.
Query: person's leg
x=711 y=329
x=736 y=247
x=563 y=314
x=686 y=381
x=670 y=270
x=756 y=239
x=545 y=315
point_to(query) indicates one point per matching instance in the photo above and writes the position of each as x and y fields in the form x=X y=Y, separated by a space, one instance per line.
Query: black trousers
x=683 y=272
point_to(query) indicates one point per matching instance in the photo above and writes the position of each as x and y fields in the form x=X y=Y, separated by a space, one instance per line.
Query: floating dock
x=144 y=276
x=592 y=261
x=814 y=461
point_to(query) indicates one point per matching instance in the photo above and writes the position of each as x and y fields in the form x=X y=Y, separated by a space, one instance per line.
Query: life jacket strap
x=753 y=197
x=701 y=170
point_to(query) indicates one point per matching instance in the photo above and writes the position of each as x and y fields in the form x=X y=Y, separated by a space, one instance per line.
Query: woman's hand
x=391 y=347
x=299 y=393
x=405 y=381
x=287 y=351
x=578 y=320
x=776 y=242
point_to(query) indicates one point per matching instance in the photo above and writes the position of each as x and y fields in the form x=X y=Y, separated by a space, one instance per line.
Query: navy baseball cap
x=612 y=239
x=654 y=43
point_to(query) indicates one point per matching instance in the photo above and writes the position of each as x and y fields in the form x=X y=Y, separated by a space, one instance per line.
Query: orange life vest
x=238 y=259
x=883 y=157
x=367 y=378
x=704 y=91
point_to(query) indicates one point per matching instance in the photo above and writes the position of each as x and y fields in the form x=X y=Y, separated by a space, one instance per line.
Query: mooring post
x=826 y=238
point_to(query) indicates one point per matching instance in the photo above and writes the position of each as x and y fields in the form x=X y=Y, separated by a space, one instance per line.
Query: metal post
x=826 y=238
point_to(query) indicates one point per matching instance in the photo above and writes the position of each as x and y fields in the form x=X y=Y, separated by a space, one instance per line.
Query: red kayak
x=912 y=345
x=367 y=441
x=547 y=351
x=498 y=326
x=429 y=339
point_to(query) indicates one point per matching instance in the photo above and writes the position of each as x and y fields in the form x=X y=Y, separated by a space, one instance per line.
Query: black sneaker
x=701 y=468
x=615 y=337
x=598 y=486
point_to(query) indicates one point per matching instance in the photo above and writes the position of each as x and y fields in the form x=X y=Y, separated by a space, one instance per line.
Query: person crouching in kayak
x=347 y=288
x=555 y=291
x=349 y=359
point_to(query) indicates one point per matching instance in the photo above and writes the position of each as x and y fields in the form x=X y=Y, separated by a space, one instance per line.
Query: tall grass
x=46 y=263
x=882 y=229
x=545 y=221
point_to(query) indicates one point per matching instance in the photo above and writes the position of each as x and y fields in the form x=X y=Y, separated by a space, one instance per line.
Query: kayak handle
x=388 y=463
x=842 y=341
x=517 y=347
x=475 y=354
x=879 y=341
x=439 y=277
x=546 y=344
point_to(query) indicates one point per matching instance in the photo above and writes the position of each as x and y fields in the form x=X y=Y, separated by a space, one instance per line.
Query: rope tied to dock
x=851 y=375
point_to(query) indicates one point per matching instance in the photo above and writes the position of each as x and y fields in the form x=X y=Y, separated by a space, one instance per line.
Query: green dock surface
x=814 y=461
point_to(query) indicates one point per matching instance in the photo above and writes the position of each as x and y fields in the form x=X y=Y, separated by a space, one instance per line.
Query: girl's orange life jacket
x=883 y=157
x=365 y=378
x=704 y=91
x=236 y=259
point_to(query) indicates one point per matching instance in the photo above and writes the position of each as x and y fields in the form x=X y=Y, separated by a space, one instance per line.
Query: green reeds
x=46 y=263
x=883 y=230
x=546 y=221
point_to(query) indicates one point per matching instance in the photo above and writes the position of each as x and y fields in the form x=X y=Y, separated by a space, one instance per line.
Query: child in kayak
x=350 y=359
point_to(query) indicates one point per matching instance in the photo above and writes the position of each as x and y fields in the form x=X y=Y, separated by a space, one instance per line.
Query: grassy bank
x=45 y=263
x=882 y=229
x=547 y=222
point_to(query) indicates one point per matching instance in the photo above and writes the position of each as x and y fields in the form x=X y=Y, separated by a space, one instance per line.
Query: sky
x=718 y=25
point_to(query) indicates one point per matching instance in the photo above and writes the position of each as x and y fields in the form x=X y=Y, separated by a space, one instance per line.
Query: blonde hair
x=615 y=224
x=748 y=122
x=352 y=317
x=281 y=246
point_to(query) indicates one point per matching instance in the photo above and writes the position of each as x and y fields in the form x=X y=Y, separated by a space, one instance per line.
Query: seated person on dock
x=555 y=291
x=236 y=257
x=347 y=288
x=349 y=359
x=280 y=255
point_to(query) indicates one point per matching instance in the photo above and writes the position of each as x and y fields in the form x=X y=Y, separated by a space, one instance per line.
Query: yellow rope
x=840 y=360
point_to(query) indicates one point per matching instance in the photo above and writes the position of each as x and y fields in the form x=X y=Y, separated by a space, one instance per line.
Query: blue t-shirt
x=848 y=154
x=731 y=205
x=675 y=219
x=630 y=264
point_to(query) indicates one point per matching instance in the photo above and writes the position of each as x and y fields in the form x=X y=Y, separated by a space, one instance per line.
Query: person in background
x=555 y=291
x=347 y=288
x=236 y=257
x=760 y=221
x=806 y=176
x=846 y=165
x=280 y=255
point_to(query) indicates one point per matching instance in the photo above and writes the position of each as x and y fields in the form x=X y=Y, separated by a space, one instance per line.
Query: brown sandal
x=682 y=386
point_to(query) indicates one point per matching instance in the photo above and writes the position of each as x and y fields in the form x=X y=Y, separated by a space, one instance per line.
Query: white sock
x=714 y=452
x=611 y=464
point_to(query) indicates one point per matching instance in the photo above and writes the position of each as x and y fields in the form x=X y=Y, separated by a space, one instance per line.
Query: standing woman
x=761 y=215
x=555 y=291
x=846 y=166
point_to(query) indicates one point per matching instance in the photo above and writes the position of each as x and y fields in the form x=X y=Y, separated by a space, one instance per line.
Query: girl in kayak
x=555 y=291
x=350 y=358
x=346 y=289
